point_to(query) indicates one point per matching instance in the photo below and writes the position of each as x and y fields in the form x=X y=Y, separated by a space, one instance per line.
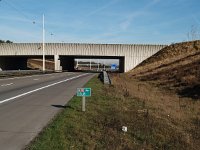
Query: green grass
x=74 y=129
x=100 y=127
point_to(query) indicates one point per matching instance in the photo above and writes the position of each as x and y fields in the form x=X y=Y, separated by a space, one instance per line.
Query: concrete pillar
x=57 y=63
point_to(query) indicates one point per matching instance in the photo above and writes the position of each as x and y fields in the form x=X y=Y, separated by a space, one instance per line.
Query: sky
x=99 y=21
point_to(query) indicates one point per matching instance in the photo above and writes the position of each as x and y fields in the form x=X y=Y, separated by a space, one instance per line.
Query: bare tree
x=194 y=33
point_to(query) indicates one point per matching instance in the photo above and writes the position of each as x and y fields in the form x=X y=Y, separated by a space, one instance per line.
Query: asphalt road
x=27 y=104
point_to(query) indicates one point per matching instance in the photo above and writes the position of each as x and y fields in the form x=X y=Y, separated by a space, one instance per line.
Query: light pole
x=104 y=65
x=43 y=45
x=90 y=64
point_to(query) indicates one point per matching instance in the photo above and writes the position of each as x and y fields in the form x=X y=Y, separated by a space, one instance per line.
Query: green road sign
x=83 y=92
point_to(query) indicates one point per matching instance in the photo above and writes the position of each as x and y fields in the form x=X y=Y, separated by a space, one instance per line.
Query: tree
x=7 y=41
x=194 y=33
x=1 y=41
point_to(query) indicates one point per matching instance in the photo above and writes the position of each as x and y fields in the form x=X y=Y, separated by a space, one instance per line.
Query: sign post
x=83 y=92
x=83 y=103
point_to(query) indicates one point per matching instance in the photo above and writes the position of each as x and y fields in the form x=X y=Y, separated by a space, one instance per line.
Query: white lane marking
x=7 y=84
x=35 y=79
x=28 y=76
x=41 y=88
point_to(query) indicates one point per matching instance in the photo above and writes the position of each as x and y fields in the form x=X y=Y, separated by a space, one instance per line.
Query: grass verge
x=100 y=127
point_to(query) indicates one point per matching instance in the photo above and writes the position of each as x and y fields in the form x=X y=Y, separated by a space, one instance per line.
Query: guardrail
x=104 y=77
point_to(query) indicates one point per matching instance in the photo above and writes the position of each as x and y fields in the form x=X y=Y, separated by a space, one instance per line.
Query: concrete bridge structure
x=14 y=56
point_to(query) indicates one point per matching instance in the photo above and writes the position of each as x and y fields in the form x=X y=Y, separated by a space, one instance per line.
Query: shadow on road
x=59 y=106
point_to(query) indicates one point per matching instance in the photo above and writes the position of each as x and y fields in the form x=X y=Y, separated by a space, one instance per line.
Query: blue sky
x=99 y=21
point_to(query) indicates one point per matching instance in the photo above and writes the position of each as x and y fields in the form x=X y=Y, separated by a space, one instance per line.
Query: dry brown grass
x=37 y=64
x=169 y=83
x=177 y=115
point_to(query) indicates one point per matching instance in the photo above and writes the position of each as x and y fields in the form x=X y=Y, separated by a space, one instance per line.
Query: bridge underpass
x=68 y=62
x=13 y=63
x=18 y=62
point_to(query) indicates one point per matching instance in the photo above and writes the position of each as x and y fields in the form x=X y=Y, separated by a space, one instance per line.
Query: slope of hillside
x=175 y=67
x=168 y=84
x=173 y=52
x=37 y=64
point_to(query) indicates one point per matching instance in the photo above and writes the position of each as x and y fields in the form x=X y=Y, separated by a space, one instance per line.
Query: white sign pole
x=83 y=103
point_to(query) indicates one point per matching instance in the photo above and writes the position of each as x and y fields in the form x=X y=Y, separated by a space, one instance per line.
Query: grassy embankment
x=100 y=127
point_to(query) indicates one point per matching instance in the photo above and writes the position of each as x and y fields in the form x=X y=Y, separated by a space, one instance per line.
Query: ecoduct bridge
x=14 y=56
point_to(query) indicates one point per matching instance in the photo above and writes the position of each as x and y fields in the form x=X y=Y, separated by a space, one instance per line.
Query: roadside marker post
x=83 y=92
x=83 y=103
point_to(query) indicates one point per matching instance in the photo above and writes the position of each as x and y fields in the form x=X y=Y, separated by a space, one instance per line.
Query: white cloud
x=17 y=35
x=15 y=18
x=127 y=22
x=124 y=25
x=103 y=7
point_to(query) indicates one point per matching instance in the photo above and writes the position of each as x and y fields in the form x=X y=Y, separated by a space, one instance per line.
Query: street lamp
x=90 y=64
x=43 y=45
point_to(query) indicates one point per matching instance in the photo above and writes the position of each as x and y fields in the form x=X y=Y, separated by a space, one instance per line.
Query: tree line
x=7 y=41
